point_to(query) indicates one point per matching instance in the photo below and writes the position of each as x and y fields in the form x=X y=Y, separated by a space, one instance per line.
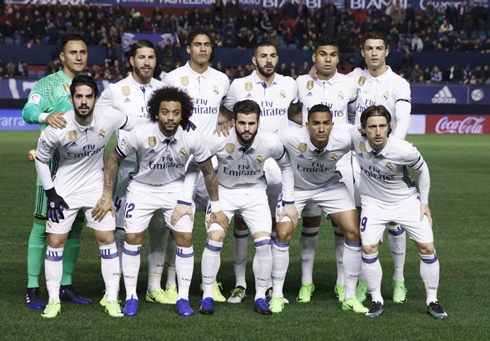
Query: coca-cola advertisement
x=457 y=124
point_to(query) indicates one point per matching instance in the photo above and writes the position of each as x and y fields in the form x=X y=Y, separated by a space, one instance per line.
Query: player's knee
x=56 y=241
x=183 y=239
x=104 y=238
x=284 y=232
x=217 y=236
x=370 y=249
x=426 y=248
x=312 y=221
x=134 y=238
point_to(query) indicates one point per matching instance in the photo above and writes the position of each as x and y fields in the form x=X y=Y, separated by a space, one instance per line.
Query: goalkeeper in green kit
x=48 y=101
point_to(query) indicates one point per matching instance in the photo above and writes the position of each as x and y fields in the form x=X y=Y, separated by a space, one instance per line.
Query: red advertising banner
x=457 y=124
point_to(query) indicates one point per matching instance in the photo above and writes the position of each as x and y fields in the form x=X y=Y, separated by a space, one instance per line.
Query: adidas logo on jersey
x=444 y=96
x=309 y=94
x=73 y=144
x=127 y=100
x=229 y=157
x=152 y=151
x=248 y=96
x=300 y=156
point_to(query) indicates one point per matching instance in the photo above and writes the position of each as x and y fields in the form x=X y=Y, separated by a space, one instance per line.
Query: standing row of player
x=274 y=93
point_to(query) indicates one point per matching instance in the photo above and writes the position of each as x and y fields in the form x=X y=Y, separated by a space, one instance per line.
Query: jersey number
x=363 y=224
x=117 y=204
x=129 y=209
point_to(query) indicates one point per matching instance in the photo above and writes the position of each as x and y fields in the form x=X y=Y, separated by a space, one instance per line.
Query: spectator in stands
x=417 y=43
x=486 y=74
x=290 y=10
x=466 y=73
x=232 y=9
x=218 y=8
x=478 y=74
x=304 y=69
x=445 y=27
x=11 y=70
x=468 y=19
x=229 y=40
x=23 y=70
x=410 y=18
x=292 y=70
x=416 y=73
x=426 y=74
x=116 y=71
x=451 y=14
x=241 y=40
x=457 y=75
x=485 y=47
x=435 y=75
x=107 y=72
x=430 y=13
x=481 y=17
x=274 y=39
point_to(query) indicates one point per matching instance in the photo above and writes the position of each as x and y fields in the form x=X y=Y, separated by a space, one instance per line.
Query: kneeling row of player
x=170 y=153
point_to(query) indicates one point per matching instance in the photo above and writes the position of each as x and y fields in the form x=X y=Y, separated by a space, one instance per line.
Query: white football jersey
x=384 y=176
x=274 y=100
x=78 y=151
x=162 y=159
x=207 y=90
x=314 y=167
x=336 y=93
x=389 y=90
x=242 y=169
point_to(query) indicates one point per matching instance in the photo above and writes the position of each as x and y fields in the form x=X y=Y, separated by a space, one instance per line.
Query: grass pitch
x=460 y=188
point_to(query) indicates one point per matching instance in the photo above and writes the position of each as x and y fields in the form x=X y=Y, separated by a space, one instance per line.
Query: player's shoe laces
x=52 y=310
x=305 y=293
x=237 y=295
x=113 y=309
x=276 y=304
x=375 y=311
x=207 y=306
x=33 y=300
x=183 y=307
x=131 y=307
x=353 y=304
x=68 y=293
x=103 y=300
x=399 y=291
x=158 y=296
x=218 y=296
x=340 y=292
x=261 y=307
x=436 y=311
x=362 y=290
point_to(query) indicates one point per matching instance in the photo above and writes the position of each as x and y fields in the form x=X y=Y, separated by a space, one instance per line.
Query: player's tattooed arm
x=104 y=204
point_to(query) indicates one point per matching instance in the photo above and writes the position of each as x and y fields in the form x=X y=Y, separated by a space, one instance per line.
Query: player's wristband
x=42 y=117
x=215 y=206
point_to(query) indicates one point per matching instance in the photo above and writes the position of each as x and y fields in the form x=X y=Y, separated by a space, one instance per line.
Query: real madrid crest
x=302 y=147
x=72 y=135
x=282 y=93
x=152 y=141
x=259 y=159
x=340 y=95
x=389 y=166
x=334 y=157
x=248 y=86
x=184 y=81
x=101 y=134
x=310 y=85
x=362 y=146
x=125 y=91
x=66 y=87
x=386 y=95
x=182 y=151
x=361 y=81
x=230 y=148
x=216 y=90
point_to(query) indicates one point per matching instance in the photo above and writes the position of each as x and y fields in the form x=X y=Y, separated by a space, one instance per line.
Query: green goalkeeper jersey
x=50 y=94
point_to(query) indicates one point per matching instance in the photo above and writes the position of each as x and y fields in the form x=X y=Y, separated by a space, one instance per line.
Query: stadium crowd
x=453 y=28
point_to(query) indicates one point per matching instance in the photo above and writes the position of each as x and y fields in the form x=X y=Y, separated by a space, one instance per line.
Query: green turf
x=459 y=198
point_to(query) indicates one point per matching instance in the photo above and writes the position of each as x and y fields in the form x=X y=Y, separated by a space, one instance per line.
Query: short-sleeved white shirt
x=336 y=93
x=274 y=99
x=242 y=169
x=207 y=90
x=384 y=176
x=162 y=160
x=78 y=151
x=386 y=90
x=315 y=168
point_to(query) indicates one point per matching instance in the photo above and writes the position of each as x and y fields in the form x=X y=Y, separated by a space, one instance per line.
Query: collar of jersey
x=90 y=125
x=235 y=139
x=62 y=74
x=136 y=84
x=383 y=151
x=330 y=81
x=195 y=74
x=257 y=80
x=162 y=137
x=381 y=78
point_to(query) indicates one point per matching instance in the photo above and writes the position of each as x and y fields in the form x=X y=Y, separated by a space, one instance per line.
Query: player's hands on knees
x=56 y=120
x=219 y=218
x=290 y=211
x=313 y=73
x=224 y=129
x=424 y=210
x=104 y=205
x=55 y=207
x=179 y=211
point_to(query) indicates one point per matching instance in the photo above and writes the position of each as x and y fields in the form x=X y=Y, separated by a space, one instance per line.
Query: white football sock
x=398 y=243
x=155 y=254
x=120 y=237
x=53 y=268
x=352 y=266
x=262 y=265
x=429 y=271
x=184 y=265
x=210 y=264
x=170 y=260
x=131 y=260
x=339 y=241
x=239 y=249
x=109 y=264
x=371 y=268
x=307 y=247
x=280 y=264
